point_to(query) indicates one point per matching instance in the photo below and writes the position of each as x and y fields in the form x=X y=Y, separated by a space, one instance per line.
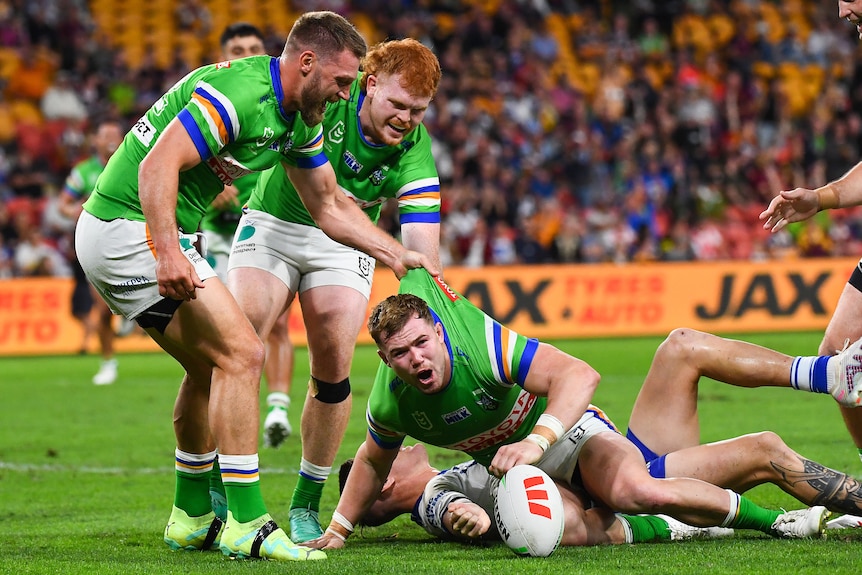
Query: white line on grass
x=28 y=467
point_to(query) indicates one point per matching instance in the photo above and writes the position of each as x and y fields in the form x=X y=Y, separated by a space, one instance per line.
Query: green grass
x=86 y=475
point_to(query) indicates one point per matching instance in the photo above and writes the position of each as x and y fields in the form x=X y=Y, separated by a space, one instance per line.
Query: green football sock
x=192 y=494
x=242 y=486
x=752 y=516
x=647 y=528
x=216 y=484
x=307 y=494
x=191 y=491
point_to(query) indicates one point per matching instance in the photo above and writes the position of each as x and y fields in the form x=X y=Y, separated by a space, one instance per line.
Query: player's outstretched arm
x=342 y=220
x=569 y=384
x=800 y=204
x=371 y=466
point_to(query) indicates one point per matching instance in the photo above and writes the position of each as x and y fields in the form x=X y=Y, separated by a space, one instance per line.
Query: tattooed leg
x=815 y=484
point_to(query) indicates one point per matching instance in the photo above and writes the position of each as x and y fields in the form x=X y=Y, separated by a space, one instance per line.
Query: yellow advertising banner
x=548 y=302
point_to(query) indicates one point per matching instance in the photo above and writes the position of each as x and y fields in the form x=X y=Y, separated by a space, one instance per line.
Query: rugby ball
x=529 y=511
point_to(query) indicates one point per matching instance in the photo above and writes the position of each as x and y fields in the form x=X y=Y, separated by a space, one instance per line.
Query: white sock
x=278 y=399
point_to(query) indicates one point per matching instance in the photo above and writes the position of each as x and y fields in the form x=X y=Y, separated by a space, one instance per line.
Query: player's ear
x=306 y=62
x=382 y=356
x=438 y=328
x=386 y=490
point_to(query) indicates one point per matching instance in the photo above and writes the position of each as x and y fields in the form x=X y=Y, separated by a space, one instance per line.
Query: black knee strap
x=856 y=277
x=326 y=392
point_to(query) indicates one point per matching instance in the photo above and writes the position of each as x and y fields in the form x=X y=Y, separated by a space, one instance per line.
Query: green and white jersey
x=367 y=173
x=484 y=405
x=233 y=113
x=81 y=181
x=224 y=221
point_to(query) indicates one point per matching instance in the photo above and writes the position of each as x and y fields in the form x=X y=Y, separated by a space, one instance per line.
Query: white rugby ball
x=529 y=511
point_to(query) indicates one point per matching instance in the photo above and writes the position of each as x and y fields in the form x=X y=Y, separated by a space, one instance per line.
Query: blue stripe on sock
x=794 y=373
x=818 y=382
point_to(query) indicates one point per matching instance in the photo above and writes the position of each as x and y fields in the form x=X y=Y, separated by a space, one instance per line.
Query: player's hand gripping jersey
x=233 y=113
x=367 y=173
x=483 y=406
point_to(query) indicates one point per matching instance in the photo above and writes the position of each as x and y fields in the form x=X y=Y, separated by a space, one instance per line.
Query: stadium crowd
x=564 y=130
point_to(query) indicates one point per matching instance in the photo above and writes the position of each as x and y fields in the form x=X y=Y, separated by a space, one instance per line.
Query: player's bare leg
x=750 y=460
x=612 y=470
x=669 y=392
x=333 y=317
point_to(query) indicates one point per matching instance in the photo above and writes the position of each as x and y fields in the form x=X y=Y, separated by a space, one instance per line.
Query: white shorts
x=301 y=256
x=560 y=460
x=119 y=261
x=217 y=252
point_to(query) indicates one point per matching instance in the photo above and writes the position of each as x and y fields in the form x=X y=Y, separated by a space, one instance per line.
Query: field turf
x=86 y=475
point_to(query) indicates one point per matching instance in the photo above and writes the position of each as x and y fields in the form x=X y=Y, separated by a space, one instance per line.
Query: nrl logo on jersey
x=336 y=133
x=351 y=162
x=422 y=420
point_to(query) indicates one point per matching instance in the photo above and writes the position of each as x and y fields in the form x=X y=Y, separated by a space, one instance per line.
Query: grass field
x=86 y=475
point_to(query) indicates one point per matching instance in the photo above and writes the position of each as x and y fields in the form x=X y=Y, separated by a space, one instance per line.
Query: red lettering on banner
x=22 y=331
x=610 y=314
x=30 y=301
x=618 y=285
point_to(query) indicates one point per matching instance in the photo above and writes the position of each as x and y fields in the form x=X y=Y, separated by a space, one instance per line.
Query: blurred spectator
x=61 y=100
x=657 y=128
x=34 y=255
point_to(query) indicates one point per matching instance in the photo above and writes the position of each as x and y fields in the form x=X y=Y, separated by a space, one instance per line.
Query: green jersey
x=484 y=405
x=81 y=181
x=233 y=113
x=367 y=173
x=224 y=221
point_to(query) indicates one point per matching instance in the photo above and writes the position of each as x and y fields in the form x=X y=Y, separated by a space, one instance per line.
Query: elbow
x=590 y=377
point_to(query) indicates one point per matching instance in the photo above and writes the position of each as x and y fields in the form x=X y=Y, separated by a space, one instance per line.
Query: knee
x=682 y=343
x=768 y=444
x=641 y=495
x=326 y=392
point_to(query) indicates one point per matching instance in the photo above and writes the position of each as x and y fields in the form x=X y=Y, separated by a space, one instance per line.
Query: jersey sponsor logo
x=503 y=431
x=459 y=414
x=351 y=162
x=450 y=293
x=268 y=134
x=130 y=285
x=422 y=420
x=160 y=106
x=485 y=401
x=226 y=169
x=144 y=131
x=223 y=64
x=336 y=132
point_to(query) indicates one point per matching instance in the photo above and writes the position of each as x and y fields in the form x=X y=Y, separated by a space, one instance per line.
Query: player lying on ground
x=458 y=502
x=455 y=378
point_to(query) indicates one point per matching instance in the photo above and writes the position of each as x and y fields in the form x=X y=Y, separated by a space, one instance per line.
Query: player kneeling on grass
x=455 y=378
